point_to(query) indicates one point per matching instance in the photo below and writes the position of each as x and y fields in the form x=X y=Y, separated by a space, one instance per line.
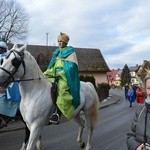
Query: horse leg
x=91 y=116
x=90 y=128
x=27 y=134
x=39 y=144
x=81 y=123
x=27 y=131
x=33 y=138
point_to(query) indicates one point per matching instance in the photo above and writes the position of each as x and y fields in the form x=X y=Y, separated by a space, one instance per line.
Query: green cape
x=71 y=72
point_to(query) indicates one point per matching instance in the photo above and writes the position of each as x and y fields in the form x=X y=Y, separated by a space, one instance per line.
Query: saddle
x=54 y=90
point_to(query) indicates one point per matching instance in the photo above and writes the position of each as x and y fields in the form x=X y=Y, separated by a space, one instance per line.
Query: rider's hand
x=140 y=147
x=57 y=75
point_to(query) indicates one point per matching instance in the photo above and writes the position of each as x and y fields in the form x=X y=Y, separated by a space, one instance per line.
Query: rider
x=9 y=98
x=64 y=64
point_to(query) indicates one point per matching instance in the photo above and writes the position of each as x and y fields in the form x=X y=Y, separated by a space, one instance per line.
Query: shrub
x=103 y=90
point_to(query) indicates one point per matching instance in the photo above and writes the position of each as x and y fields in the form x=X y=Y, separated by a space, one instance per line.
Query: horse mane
x=32 y=59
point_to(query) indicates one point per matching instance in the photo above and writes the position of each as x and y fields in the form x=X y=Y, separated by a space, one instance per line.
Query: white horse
x=36 y=104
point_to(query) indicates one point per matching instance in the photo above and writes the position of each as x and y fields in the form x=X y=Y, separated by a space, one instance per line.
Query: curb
x=113 y=99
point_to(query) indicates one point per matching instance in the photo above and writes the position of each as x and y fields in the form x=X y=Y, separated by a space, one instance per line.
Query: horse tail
x=95 y=106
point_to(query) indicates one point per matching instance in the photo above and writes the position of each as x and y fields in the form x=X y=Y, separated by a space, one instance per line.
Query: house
x=111 y=76
x=91 y=61
x=114 y=77
x=117 y=80
x=137 y=73
x=133 y=72
x=143 y=69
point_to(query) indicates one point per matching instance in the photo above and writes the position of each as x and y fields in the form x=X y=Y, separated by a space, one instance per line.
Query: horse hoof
x=23 y=146
x=82 y=145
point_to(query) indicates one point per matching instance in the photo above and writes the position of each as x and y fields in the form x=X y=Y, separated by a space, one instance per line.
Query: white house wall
x=99 y=77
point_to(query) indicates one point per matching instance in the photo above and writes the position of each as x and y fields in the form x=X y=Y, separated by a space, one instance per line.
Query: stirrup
x=54 y=119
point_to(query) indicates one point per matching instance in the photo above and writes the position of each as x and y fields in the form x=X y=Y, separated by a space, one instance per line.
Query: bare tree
x=13 y=21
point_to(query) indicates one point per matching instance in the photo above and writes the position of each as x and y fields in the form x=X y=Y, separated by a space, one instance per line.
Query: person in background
x=126 y=87
x=134 y=86
x=64 y=65
x=140 y=94
x=139 y=136
x=130 y=94
x=10 y=97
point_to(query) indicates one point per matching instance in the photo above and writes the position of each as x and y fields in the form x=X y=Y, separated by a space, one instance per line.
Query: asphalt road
x=109 y=134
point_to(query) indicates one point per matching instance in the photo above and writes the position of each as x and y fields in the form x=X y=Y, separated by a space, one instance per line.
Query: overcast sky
x=119 y=28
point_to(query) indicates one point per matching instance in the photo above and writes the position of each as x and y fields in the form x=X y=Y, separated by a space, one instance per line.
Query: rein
x=20 y=80
x=16 y=62
x=31 y=79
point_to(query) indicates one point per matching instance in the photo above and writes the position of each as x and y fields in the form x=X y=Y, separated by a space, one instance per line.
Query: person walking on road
x=140 y=94
x=126 y=88
x=10 y=97
x=130 y=94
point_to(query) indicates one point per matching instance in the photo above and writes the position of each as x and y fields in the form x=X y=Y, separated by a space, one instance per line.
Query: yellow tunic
x=64 y=99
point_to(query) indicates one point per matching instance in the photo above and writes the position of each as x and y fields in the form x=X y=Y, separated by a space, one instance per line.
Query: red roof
x=112 y=74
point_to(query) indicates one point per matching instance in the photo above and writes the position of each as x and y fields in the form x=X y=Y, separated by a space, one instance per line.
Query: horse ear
x=15 y=46
x=23 y=48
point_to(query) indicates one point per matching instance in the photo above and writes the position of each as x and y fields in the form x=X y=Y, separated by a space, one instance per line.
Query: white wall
x=99 y=77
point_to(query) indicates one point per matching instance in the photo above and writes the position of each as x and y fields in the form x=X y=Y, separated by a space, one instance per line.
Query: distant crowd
x=134 y=93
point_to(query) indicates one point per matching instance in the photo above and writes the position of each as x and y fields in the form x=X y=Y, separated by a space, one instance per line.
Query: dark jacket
x=136 y=136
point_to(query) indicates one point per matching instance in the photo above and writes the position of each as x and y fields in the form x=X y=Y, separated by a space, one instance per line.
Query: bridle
x=16 y=62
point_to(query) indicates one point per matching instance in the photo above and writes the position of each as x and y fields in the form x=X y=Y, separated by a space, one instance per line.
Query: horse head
x=13 y=66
